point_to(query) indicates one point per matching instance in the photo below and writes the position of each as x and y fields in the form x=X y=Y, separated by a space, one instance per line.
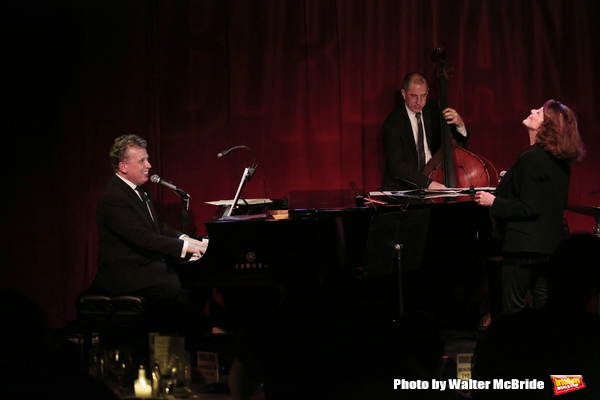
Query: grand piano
x=407 y=252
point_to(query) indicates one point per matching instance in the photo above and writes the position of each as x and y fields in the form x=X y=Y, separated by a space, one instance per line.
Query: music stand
x=246 y=176
x=395 y=243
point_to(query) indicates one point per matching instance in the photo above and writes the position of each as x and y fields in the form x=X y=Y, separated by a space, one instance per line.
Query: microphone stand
x=185 y=207
x=185 y=214
x=185 y=199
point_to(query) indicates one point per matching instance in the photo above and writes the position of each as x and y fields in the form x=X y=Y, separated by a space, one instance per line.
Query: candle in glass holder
x=143 y=388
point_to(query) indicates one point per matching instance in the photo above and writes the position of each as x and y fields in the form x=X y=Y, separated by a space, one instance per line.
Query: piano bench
x=114 y=319
x=105 y=311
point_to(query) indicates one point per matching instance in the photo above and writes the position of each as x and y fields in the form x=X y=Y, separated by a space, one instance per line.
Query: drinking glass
x=119 y=365
x=167 y=367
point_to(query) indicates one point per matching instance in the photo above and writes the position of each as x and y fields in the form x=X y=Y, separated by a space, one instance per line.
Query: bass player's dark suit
x=401 y=171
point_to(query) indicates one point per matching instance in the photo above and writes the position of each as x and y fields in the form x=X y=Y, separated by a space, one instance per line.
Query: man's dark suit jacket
x=530 y=200
x=132 y=248
x=401 y=171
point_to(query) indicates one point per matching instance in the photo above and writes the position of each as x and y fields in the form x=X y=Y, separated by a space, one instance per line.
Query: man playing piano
x=134 y=242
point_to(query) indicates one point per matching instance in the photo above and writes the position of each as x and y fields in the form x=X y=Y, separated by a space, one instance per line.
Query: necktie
x=420 y=143
x=145 y=199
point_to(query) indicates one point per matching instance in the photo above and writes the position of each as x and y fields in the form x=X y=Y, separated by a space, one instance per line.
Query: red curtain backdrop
x=305 y=83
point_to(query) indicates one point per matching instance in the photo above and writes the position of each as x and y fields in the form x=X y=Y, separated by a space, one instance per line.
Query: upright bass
x=453 y=165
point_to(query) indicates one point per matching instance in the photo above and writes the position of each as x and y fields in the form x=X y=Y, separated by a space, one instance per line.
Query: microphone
x=468 y=177
x=485 y=167
x=471 y=187
x=157 y=179
x=252 y=168
x=221 y=154
x=429 y=180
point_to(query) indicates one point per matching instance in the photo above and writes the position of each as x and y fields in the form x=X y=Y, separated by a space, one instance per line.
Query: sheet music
x=250 y=202
x=433 y=193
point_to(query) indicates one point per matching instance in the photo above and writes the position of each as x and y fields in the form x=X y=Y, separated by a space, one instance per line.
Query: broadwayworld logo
x=567 y=383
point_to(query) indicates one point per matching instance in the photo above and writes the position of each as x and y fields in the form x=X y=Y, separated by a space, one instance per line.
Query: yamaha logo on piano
x=250 y=257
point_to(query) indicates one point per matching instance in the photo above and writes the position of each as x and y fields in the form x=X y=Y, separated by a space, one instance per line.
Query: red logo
x=567 y=383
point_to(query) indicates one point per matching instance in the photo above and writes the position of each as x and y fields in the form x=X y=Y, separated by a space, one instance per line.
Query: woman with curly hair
x=529 y=201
